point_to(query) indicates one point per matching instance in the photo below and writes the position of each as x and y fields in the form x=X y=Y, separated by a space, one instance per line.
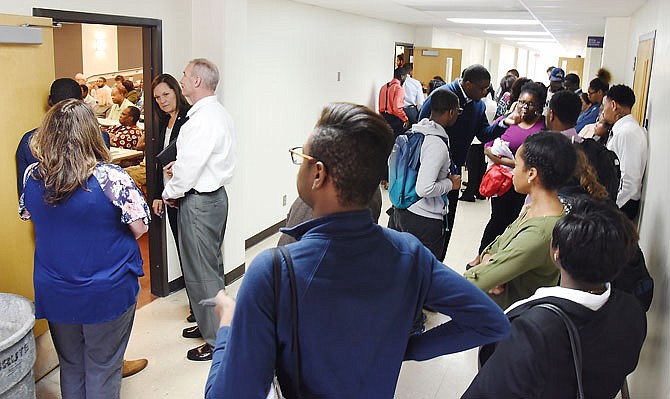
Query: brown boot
x=132 y=367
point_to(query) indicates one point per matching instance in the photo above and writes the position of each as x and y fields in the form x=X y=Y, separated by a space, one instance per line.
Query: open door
x=430 y=62
x=572 y=65
x=24 y=102
x=643 y=60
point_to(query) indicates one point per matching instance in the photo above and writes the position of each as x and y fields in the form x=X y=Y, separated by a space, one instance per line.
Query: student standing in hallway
x=470 y=89
x=205 y=162
x=360 y=287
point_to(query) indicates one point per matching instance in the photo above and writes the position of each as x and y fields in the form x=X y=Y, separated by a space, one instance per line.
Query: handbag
x=496 y=181
x=575 y=343
x=277 y=253
x=168 y=154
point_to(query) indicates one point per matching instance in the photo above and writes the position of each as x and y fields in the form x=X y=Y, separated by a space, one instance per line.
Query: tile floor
x=157 y=336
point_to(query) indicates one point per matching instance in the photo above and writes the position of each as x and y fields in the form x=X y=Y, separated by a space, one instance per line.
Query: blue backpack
x=404 y=163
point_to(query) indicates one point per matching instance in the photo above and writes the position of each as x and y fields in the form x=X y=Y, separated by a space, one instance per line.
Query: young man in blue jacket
x=361 y=288
x=470 y=88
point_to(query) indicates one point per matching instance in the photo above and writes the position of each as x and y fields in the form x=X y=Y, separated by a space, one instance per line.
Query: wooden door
x=572 y=65
x=430 y=62
x=643 y=60
x=29 y=72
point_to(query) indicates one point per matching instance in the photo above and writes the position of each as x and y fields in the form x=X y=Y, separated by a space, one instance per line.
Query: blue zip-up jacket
x=360 y=289
x=590 y=115
x=472 y=122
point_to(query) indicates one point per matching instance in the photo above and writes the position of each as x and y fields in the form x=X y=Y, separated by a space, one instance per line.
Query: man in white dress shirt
x=205 y=162
x=629 y=141
x=413 y=95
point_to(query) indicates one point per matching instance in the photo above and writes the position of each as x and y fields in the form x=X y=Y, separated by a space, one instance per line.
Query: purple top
x=515 y=134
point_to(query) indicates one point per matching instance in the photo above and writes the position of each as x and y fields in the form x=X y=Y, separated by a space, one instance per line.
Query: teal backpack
x=404 y=163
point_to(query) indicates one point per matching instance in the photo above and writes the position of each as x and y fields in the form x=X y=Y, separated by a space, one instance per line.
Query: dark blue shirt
x=24 y=156
x=590 y=115
x=471 y=122
x=360 y=288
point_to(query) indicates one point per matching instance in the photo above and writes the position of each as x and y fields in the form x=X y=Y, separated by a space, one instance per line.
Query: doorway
x=643 y=61
x=442 y=62
x=152 y=65
x=572 y=65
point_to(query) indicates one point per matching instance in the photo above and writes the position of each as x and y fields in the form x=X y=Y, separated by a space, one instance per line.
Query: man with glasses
x=426 y=218
x=596 y=91
x=470 y=89
x=360 y=287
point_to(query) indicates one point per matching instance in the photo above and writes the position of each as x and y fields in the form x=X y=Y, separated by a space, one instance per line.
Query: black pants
x=476 y=168
x=395 y=123
x=631 y=209
x=504 y=210
x=431 y=232
x=412 y=113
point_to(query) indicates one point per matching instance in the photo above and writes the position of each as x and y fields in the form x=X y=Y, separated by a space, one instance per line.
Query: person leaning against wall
x=171 y=107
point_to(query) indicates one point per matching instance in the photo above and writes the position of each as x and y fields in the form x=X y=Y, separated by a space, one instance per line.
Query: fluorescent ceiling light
x=490 y=21
x=529 y=39
x=516 y=33
x=537 y=45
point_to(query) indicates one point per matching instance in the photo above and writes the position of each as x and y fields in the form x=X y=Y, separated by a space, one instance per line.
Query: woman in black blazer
x=171 y=106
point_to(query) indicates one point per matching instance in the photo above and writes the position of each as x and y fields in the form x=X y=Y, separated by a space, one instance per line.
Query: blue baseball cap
x=557 y=75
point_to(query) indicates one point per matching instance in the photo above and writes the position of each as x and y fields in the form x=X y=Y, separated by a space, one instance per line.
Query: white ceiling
x=569 y=21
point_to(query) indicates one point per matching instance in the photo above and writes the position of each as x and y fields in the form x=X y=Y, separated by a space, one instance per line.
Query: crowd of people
x=342 y=287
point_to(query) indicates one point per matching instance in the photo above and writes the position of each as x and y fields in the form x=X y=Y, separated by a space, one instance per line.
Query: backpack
x=634 y=279
x=404 y=163
x=606 y=164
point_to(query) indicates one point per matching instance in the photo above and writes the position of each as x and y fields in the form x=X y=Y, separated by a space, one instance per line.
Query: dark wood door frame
x=152 y=63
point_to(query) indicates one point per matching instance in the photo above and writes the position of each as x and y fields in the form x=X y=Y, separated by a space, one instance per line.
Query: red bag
x=496 y=181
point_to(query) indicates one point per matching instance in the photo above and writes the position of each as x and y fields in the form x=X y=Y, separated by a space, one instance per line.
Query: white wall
x=614 y=48
x=287 y=72
x=650 y=380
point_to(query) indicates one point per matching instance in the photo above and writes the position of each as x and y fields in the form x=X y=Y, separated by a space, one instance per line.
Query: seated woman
x=519 y=257
x=127 y=134
x=589 y=246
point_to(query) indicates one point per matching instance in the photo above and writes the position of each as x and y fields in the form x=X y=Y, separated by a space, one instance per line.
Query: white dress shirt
x=629 y=143
x=413 y=92
x=205 y=150
x=103 y=95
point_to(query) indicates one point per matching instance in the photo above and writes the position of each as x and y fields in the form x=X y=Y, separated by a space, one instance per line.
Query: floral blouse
x=117 y=186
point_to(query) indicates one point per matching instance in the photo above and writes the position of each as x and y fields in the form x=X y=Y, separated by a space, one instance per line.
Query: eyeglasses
x=527 y=104
x=297 y=156
x=591 y=92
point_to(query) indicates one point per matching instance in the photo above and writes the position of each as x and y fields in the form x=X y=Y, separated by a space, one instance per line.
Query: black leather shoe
x=201 y=353
x=480 y=197
x=190 y=318
x=191 y=332
x=467 y=198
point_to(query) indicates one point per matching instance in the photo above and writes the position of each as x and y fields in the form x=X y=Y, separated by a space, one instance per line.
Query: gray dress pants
x=91 y=356
x=202 y=224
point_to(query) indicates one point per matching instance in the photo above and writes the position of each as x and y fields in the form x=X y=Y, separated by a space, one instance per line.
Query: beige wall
x=129 y=43
x=67 y=50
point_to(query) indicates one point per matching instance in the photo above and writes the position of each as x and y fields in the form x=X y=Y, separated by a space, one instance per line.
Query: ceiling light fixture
x=516 y=33
x=485 y=21
x=530 y=39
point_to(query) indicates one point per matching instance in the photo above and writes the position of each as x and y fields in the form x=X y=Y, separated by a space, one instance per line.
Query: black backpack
x=606 y=165
x=634 y=279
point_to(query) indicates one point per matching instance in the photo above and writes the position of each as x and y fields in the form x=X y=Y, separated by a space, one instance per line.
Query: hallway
x=157 y=336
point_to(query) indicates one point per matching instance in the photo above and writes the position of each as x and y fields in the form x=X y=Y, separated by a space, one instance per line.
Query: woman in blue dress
x=87 y=215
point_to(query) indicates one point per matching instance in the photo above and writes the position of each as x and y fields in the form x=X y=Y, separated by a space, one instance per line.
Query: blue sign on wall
x=595 y=41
